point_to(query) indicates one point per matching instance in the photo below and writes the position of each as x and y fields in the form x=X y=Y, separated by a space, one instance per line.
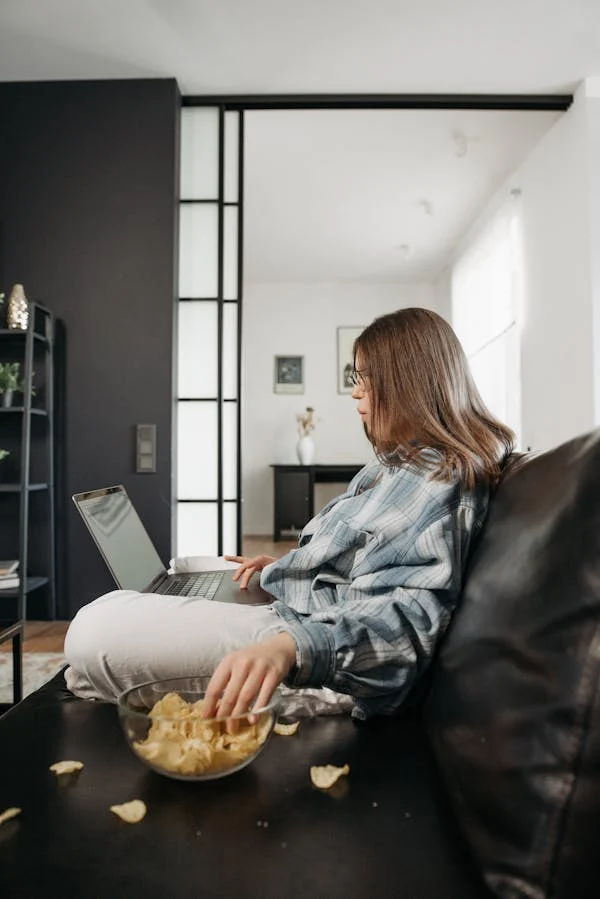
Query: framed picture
x=345 y=357
x=289 y=374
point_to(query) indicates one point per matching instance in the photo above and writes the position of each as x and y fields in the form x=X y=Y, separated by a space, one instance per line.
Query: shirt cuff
x=315 y=651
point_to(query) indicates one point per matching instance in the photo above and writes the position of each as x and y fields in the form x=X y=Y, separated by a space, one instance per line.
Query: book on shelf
x=9 y=583
x=8 y=568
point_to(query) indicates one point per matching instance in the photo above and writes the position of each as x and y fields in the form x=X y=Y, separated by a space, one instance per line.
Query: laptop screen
x=121 y=537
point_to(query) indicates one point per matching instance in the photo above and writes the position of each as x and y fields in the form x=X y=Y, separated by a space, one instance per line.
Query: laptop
x=134 y=563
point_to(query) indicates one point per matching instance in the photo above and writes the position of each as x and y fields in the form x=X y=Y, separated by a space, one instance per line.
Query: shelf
x=9 y=628
x=4 y=410
x=17 y=332
x=36 y=346
x=31 y=584
x=17 y=488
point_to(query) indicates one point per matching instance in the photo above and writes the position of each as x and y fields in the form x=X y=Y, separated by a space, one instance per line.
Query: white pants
x=126 y=638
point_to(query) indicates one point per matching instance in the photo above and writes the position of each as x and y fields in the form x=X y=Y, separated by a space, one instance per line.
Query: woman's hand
x=247 y=678
x=248 y=567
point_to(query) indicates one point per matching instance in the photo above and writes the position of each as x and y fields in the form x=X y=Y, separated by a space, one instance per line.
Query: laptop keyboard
x=204 y=585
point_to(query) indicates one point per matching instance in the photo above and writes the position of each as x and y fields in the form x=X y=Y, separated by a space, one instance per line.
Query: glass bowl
x=163 y=727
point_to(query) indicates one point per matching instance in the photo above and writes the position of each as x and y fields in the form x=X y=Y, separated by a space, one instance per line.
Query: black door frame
x=247 y=102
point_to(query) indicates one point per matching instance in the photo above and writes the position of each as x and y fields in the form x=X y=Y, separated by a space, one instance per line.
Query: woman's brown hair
x=422 y=395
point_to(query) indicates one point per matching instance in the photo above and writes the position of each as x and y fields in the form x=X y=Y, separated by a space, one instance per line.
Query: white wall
x=442 y=290
x=558 y=348
x=557 y=355
x=593 y=121
x=301 y=320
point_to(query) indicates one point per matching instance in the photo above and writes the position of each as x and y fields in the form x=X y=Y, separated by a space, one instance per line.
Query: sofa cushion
x=514 y=712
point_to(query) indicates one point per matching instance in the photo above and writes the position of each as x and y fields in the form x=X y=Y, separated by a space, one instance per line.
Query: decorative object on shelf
x=289 y=374
x=11 y=382
x=345 y=357
x=305 y=448
x=4 y=474
x=17 y=315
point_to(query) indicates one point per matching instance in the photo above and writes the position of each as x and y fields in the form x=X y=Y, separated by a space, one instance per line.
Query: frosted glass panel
x=230 y=351
x=197 y=451
x=197 y=351
x=230 y=547
x=232 y=140
x=199 y=172
x=230 y=258
x=197 y=529
x=199 y=250
x=229 y=450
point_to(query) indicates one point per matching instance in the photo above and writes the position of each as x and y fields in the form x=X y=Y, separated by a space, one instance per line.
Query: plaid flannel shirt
x=372 y=585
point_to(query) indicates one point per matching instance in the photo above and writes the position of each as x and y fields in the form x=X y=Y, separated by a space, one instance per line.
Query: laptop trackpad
x=216 y=585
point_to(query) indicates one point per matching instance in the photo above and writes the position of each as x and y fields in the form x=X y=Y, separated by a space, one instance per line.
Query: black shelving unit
x=27 y=430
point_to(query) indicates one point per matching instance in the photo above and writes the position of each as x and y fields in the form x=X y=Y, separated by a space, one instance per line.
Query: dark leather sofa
x=490 y=787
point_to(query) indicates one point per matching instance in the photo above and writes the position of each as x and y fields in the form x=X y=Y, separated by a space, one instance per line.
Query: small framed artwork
x=345 y=357
x=289 y=374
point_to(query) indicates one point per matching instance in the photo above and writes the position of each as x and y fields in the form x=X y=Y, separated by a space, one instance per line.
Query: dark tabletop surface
x=385 y=831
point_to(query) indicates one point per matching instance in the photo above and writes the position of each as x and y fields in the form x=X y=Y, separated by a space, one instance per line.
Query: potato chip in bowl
x=164 y=727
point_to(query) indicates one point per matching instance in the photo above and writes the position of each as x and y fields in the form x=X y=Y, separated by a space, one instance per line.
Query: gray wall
x=88 y=211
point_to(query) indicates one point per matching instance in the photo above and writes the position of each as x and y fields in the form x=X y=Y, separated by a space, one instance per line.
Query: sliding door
x=208 y=473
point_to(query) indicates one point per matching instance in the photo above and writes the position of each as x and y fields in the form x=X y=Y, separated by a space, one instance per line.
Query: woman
x=360 y=606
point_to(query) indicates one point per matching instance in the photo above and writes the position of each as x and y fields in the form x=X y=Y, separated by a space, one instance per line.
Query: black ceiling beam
x=526 y=102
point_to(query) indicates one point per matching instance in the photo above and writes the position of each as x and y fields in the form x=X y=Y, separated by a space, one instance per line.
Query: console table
x=294 y=503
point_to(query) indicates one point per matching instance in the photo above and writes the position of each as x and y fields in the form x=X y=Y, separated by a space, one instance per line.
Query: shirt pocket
x=349 y=545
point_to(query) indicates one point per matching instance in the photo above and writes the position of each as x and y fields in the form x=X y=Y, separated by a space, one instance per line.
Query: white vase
x=306 y=450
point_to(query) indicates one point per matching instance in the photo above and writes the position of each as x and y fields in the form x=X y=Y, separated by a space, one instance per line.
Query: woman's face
x=361 y=392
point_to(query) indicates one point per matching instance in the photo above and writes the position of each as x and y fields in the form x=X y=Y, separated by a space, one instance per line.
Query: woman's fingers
x=241 y=692
x=239 y=697
x=269 y=684
x=215 y=688
x=247 y=574
x=248 y=567
x=241 y=559
x=237 y=574
x=247 y=678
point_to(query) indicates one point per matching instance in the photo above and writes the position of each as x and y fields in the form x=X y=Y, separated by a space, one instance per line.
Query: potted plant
x=11 y=381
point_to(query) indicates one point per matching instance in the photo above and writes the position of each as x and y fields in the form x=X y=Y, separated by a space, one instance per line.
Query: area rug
x=38 y=667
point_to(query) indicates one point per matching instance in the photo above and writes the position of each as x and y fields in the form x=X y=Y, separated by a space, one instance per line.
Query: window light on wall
x=487 y=304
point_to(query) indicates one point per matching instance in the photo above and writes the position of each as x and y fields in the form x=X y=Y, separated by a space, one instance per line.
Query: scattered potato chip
x=131 y=812
x=8 y=814
x=286 y=730
x=66 y=767
x=324 y=776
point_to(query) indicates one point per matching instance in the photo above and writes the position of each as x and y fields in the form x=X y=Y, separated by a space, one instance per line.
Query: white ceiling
x=334 y=195
x=372 y=196
x=271 y=46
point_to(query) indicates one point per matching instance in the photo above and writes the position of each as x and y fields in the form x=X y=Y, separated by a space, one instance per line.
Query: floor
x=48 y=636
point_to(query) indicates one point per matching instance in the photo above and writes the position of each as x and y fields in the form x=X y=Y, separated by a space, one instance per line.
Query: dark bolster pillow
x=514 y=712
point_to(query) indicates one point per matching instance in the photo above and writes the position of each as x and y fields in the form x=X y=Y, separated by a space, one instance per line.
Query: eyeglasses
x=359 y=378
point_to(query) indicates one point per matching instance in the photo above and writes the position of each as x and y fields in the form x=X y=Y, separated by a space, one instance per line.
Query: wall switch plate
x=145 y=449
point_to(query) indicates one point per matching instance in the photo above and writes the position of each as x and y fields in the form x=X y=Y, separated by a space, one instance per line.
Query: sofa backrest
x=514 y=710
